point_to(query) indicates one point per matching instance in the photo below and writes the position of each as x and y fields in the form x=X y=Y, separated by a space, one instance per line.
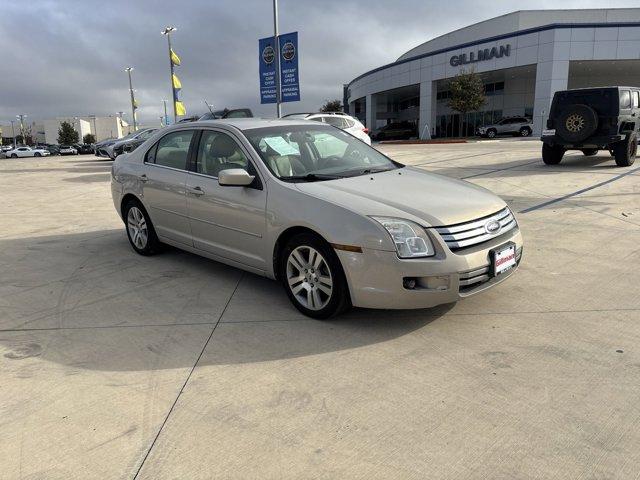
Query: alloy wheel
x=309 y=277
x=137 y=225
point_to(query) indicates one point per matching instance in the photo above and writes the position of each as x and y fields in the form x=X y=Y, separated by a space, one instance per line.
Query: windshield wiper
x=366 y=171
x=312 y=177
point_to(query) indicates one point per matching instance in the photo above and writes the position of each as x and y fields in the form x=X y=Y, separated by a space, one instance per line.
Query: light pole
x=162 y=120
x=277 y=48
x=95 y=130
x=133 y=100
x=166 y=118
x=76 y=129
x=167 y=32
x=13 y=133
x=22 y=117
x=119 y=116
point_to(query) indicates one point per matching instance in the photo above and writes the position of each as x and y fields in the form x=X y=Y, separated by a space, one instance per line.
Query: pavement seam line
x=578 y=192
x=184 y=385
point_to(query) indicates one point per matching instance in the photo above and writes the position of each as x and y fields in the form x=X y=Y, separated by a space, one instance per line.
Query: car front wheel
x=491 y=133
x=525 y=131
x=313 y=277
x=140 y=231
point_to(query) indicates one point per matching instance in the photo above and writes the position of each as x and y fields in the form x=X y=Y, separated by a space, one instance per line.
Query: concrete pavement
x=114 y=365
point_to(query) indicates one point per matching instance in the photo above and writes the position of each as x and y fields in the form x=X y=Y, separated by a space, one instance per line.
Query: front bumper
x=375 y=277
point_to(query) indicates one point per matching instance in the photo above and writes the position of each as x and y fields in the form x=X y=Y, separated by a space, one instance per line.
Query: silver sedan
x=334 y=220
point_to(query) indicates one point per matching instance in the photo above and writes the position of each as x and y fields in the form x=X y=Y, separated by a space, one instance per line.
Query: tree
x=89 y=138
x=467 y=93
x=331 y=106
x=67 y=134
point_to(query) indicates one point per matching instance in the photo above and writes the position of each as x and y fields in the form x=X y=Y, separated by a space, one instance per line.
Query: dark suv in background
x=592 y=119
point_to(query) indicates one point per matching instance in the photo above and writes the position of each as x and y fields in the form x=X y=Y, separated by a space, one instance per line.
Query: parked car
x=335 y=221
x=27 y=152
x=53 y=149
x=68 y=150
x=337 y=119
x=517 y=126
x=83 y=148
x=396 y=131
x=129 y=144
x=100 y=147
x=592 y=119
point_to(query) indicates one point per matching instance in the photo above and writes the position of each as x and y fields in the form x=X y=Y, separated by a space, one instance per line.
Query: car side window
x=636 y=99
x=217 y=152
x=316 y=119
x=171 y=150
x=625 y=99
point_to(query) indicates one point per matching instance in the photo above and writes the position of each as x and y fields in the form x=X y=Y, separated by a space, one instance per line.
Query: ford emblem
x=492 y=227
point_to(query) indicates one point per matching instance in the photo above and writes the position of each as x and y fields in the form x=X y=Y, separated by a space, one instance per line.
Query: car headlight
x=410 y=239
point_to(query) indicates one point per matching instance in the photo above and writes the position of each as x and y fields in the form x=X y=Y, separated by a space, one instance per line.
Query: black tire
x=576 y=123
x=152 y=244
x=552 y=154
x=525 y=132
x=37 y=154
x=625 y=151
x=491 y=133
x=13 y=155
x=339 y=301
x=589 y=152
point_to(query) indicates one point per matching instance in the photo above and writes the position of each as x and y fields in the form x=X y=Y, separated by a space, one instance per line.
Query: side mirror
x=235 y=177
x=126 y=148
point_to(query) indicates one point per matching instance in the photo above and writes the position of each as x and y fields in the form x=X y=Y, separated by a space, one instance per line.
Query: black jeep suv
x=592 y=119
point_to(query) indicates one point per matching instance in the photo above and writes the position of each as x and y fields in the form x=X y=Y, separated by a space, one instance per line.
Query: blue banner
x=267 y=59
x=289 y=83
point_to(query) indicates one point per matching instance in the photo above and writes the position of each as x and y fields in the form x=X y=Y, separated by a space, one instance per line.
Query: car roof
x=247 y=123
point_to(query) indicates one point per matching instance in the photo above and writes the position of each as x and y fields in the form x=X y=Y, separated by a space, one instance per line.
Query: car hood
x=427 y=198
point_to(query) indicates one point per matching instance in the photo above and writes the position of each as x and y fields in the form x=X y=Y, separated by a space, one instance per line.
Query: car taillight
x=365 y=130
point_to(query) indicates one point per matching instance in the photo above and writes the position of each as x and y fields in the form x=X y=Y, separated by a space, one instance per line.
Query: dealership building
x=523 y=57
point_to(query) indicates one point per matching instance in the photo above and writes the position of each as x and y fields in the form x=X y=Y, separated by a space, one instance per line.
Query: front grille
x=474 y=278
x=463 y=235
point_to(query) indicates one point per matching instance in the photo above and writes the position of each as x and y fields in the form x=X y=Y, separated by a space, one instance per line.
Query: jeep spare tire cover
x=576 y=123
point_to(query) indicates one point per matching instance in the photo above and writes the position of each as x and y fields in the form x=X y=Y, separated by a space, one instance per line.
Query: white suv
x=337 y=119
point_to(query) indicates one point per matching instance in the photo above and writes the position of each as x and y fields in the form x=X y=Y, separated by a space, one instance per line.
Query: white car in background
x=27 y=152
x=337 y=119
x=68 y=150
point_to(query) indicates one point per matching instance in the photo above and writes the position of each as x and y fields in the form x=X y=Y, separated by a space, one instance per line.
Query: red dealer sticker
x=504 y=258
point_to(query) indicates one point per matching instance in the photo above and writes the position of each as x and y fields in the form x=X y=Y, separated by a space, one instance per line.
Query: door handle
x=196 y=191
x=143 y=178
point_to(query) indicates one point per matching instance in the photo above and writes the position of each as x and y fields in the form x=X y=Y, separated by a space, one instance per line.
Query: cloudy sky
x=67 y=57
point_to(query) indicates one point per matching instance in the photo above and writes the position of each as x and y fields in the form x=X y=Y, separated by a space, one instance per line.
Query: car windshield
x=315 y=153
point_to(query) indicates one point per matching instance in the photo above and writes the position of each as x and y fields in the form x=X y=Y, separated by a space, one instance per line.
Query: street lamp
x=21 y=117
x=133 y=100
x=167 y=32
x=166 y=118
x=95 y=130
x=13 y=133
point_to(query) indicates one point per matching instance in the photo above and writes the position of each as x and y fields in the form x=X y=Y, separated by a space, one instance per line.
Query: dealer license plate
x=504 y=258
x=548 y=133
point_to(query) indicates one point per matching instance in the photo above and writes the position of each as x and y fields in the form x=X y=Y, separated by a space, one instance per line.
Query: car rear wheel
x=589 y=152
x=140 y=231
x=625 y=151
x=13 y=155
x=491 y=133
x=525 y=132
x=552 y=154
x=37 y=154
x=313 y=277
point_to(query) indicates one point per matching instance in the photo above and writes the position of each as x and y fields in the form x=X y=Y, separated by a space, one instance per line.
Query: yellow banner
x=175 y=59
x=180 y=110
x=176 y=82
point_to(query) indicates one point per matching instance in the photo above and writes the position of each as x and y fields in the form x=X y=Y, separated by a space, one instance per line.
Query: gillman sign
x=480 y=55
